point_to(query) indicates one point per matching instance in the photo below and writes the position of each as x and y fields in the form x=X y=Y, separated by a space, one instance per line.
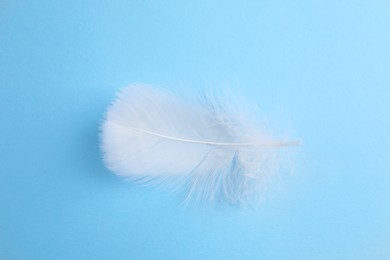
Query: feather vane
x=208 y=148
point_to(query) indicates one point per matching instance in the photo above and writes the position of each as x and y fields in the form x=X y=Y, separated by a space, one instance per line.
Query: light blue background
x=321 y=67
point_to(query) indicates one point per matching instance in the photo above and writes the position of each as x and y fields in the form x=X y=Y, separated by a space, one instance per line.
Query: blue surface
x=322 y=67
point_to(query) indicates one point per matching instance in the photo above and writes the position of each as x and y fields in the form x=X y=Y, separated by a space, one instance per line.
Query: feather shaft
x=269 y=144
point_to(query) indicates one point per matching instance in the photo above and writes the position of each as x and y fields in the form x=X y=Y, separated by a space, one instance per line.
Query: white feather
x=207 y=147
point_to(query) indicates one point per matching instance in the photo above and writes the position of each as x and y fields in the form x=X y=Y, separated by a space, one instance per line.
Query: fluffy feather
x=206 y=147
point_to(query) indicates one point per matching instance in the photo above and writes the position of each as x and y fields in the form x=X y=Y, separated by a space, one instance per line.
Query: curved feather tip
x=208 y=148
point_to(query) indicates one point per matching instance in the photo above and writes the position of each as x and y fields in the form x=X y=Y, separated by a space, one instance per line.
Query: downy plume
x=208 y=147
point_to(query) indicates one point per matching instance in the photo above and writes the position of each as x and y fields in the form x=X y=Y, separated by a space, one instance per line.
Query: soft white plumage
x=207 y=147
